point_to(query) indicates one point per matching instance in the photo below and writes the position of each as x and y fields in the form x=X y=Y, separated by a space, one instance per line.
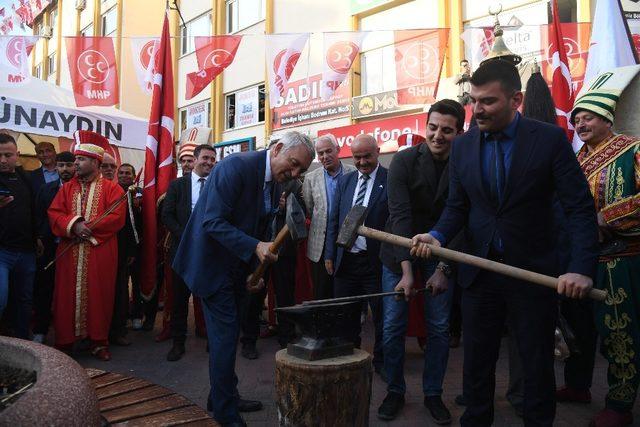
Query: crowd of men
x=509 y=189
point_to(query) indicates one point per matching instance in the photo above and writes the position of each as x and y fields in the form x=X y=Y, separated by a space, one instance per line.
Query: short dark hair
x=462 y=61
x=497 y=70
x=199 y=148
x=128 y=165
x=5 y=138
x=451 y=108
x=66 y=157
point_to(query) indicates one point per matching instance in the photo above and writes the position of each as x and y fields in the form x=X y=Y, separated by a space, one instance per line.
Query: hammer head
x=295 y=219
x=349 y=230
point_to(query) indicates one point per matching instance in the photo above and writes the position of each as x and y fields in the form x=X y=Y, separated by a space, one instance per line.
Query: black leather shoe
x=391 y=406
x=249 y=351
x=439 y=412
x=460 y=400
x=176 y=352
x=249 y=405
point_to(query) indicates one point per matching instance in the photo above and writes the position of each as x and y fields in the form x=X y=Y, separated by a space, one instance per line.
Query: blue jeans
x=17 y=271
x=396 y=315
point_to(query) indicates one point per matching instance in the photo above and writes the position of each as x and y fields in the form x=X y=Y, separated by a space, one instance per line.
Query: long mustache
x=583 y=129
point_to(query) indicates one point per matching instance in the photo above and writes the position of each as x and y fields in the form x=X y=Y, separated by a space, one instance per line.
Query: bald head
x=108 y=167
x=365 y=152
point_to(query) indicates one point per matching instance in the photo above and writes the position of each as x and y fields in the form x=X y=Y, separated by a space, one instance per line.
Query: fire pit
x=40 y=385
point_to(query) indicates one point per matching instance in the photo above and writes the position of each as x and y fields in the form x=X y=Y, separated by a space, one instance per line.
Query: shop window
x=183 y=121
x=37 y=71
x=378 y=67
x=244 y=13
x=232 y=104
x=200 y=26
x=109 y=22
x=53 y=19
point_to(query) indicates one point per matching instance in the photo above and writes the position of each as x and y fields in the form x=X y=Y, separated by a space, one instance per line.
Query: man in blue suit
x=218 y=244
x=504 y=175
x=358 y=270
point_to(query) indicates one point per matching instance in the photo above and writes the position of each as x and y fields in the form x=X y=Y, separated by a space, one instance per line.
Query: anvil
x=321 y=329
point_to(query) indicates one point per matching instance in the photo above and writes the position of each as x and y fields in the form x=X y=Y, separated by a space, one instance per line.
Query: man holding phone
x=17 y=238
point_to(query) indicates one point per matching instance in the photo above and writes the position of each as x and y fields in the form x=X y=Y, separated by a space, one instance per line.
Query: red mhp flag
x=561 y=90
x=214 y=54
x=419 y=55
x=94 y=74
x=159 y=168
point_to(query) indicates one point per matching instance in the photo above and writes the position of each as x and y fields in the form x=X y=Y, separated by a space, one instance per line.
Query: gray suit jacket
x=314 y=192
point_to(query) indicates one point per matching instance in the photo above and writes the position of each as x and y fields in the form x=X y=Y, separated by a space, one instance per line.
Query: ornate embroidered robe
x=613 y=173
x=86 y=273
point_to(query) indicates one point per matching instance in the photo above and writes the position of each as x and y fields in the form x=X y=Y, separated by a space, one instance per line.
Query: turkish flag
x=419 y=55
x=159 y=165
x=94 y=74
x=214 y=54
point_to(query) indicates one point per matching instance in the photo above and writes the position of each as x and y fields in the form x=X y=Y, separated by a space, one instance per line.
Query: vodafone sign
x=386 y=132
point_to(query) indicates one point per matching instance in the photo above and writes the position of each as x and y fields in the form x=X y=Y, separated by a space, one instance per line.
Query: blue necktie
x=362 y=191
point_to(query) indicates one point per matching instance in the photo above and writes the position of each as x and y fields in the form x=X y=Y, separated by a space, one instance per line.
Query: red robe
x=86 y=274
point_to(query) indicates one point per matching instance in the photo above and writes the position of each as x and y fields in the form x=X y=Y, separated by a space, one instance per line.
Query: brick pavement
x=146 y=359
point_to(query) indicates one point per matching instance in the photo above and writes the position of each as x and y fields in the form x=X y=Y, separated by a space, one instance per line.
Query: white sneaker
x=39 y=338
x=137 y=324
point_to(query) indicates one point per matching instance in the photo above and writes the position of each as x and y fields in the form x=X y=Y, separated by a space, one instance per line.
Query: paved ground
x=189 y=376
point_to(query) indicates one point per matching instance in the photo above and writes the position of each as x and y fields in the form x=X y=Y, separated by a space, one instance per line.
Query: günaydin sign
x=122 y=130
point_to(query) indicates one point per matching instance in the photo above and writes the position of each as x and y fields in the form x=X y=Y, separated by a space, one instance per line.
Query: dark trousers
x=356 y=276
x=455 y=317
x=283 y=275
x=138 y=306
x=180 y=309
x=43 y=291
x=532 y=315
x=121 y=303
x=222 y=313
x=578 y=368
x=322 y=281
x=250 y=312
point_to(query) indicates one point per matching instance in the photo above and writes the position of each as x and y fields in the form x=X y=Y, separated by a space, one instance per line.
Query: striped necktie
x=362 y=190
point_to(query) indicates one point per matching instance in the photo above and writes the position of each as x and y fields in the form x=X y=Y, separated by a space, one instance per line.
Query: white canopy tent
x=41 y=108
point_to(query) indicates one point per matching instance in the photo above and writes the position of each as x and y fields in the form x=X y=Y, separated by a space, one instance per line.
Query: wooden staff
x=94 y=223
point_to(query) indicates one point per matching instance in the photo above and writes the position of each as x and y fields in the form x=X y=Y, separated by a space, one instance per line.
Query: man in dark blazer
x=46 y=247
x=358 y=270
x=504 y=174
x=46 y=153
x=220 y=240
x=418 y=185
x=182 y=195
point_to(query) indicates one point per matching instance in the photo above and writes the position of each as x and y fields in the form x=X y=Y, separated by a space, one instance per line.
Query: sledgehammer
x=352 y=228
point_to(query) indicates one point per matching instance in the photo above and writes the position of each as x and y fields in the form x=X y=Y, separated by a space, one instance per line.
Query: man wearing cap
x=83 y=217
x=186 y=157
x=611 y=164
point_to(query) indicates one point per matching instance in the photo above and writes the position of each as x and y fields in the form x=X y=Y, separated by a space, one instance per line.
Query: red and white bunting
x=94 y=74
x=561 y=88
x=214 y=54
x=159 y=166
x=145 y=58
x=14 y=60
x=282 y=54
x=339 y=52
x=419 y=55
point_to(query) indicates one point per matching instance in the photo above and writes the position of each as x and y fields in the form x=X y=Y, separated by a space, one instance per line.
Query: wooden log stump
x=329 y=392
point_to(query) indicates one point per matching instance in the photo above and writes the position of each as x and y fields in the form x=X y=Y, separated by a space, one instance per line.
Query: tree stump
x=328 y=392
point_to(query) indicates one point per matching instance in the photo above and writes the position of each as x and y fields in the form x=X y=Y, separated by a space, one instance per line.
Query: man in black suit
x=46 y=153
x=46 y=247
x=182 y=196
x=417 y=186
x=504 y=175
x=128 y=246
x=358 y=270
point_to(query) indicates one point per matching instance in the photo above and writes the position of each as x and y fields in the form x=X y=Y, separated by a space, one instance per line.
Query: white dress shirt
x=195 y=188
x=361 y=242
x=267 y=170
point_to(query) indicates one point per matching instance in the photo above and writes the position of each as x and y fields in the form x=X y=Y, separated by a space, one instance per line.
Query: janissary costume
x=86 y=273
x=613 y=172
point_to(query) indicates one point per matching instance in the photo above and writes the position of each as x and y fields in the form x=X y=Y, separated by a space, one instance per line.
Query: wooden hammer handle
x=496 y=267
x=274 y=248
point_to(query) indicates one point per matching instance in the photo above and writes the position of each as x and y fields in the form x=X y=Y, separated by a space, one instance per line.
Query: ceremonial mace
x=95 y=222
